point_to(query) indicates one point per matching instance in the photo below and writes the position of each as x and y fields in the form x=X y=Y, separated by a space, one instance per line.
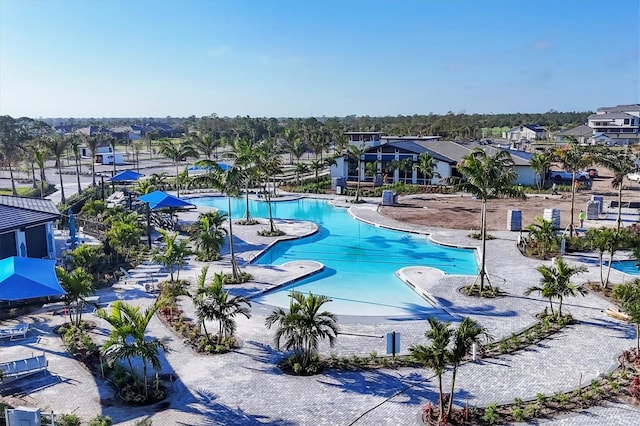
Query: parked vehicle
x=635 y=176
x=560 y=175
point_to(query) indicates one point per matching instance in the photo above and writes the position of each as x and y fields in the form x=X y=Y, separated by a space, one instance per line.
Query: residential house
x=621 y=124
x=528 y=132
x=581 y=134
x=27 y=227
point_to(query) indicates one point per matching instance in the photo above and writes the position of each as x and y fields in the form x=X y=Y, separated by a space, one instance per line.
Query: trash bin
x=388 y=198
x=338 y=190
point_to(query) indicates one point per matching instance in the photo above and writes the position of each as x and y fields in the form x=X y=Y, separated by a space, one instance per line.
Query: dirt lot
x=457 y=212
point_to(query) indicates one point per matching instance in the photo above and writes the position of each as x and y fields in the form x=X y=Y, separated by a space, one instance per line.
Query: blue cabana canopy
x=222 y=166
x=126 y=176
x=162 y=200
x=28 y=278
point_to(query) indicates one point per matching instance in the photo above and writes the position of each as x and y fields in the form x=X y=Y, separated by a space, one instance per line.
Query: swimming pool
x=360 y=259
x=627 y=266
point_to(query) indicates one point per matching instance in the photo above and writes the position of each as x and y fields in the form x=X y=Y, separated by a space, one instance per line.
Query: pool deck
x=246 y=387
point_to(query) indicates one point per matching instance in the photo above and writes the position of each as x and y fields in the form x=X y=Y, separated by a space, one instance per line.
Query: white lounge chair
x=14 y=370
x=16 y=332
x=135 y=278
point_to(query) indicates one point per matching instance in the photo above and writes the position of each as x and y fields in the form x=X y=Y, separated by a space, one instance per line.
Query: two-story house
x=620 y=124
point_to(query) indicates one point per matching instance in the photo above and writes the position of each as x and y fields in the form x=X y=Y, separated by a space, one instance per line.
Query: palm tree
x=78 y=284
x=621 y=163
x=75 y=147
x=214 y=303
x=427 y=164
x=316 y=166
x=600 y=240
x=573 y=159
x=556 y=283
x=208 y=234
x=57 y=146
x=230 y=183
x=127 y=338
x=124 y=234
x=92 y=144
x=406 y=165
x=629 y=295
x=300 y=169
x=303 y=326
x=469 y=332
x=437 y=355
x=543 y=234
x=174 y=254
x=488 y=177
x=12 y=134
x=206 y=144
x=356 y=153
x=540 y=163
x=177 y=153
x=244 y=154
x=268 y=163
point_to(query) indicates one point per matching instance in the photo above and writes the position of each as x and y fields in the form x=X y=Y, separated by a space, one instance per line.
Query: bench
x=16 y=332
x=14 y=370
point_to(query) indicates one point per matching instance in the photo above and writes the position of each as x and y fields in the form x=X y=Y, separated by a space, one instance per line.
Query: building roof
x=581 y=130
x=411 y=138
x=610 y=116
x=532 y=127
x=620 y=108
x=413 y=147
x=21 y=212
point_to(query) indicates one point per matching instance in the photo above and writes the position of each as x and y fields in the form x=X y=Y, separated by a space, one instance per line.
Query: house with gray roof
x=528 y=132
x=620 y=124
x=398 y=160
x=582 y=134
x=27 y=227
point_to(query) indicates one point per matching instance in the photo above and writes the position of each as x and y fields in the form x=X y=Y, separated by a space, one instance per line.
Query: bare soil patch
x=463 y=212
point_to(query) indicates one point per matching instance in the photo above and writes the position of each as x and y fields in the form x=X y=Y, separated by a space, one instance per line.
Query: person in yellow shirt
x=581 y=218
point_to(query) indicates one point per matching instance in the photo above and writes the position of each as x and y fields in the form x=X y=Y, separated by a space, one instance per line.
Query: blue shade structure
x=28 y=278
x=162 y=200
x=126 y=176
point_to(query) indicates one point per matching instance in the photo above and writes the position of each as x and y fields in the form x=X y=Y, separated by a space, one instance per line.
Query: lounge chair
x=16 y=332
x=14 y=370
x=136 y=278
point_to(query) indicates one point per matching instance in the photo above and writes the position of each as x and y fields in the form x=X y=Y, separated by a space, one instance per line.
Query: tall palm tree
x=40 y=154
x=268 y=162
x=206 y=144
x=177 y=153
x=406 y=165
x=427 y=165
x=436 y=356
x=488 y=176
x=303 y=326
x=217 y=304
x=621 y=163
x=316 y=166
x=57 y=145
x=78 y=284
x=573 y=159
x=75 y=142
x=127 y=339
x=92 y=143
x=355 y=153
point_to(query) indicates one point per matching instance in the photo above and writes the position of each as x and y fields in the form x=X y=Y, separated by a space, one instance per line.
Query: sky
x=301 y=58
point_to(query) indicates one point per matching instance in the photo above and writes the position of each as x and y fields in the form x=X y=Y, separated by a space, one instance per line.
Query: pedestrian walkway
x=246 y=387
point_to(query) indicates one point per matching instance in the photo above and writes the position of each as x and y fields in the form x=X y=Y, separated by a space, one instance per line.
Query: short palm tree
x=621 y=163
x=208 y=234
x=78 y=284
x=174 y=254
x=600 y=240
x=488 y=176
x=436 y=356
x=540 y=163
x=629 y=295
x=427 y=165
x=57 y=145
x=127 y=339
x=556 y=283
x=543 y=234
x=301 y=169
x=303 y=326
x=213 y=303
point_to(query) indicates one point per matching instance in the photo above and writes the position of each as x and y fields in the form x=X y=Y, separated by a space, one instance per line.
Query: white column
x=21 y=243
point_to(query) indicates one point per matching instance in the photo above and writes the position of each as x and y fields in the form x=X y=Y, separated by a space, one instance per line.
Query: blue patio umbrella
x=161 y=200
x=126 y=176
x=28 y=278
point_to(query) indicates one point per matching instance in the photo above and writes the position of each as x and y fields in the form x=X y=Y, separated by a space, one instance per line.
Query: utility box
x=514 y=220
x=553 y=216
x=22 y=416
x=389 y=198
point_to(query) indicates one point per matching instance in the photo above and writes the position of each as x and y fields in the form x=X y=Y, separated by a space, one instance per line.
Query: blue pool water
x=627 y=266
x=360 y=260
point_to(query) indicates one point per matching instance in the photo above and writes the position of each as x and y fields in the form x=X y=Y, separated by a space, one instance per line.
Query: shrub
x=491 y=415
x=68 y=420
x=517 y=413
x=101 y=420
x=634 y=388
